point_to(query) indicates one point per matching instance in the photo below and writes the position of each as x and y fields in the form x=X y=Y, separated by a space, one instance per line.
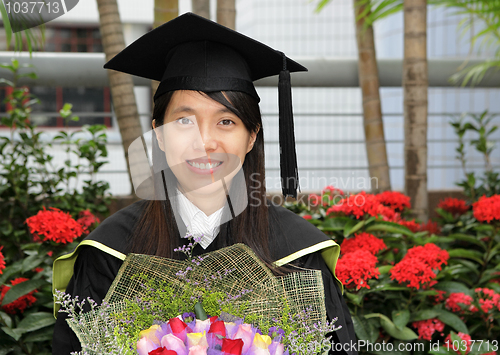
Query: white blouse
x=197 y=222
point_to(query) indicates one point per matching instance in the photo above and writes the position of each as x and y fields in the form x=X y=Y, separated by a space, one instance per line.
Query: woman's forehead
x=189 y=101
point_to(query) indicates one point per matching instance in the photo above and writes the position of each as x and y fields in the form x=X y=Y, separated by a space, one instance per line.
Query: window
x=92 y=105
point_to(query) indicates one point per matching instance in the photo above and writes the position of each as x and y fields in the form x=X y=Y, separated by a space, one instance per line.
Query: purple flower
x=188 y=317
x=276 y=332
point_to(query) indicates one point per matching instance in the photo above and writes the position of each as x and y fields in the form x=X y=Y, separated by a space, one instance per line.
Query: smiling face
x=204 y=142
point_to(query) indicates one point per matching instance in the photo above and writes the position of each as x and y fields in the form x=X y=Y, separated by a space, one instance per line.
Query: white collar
x=197 y=222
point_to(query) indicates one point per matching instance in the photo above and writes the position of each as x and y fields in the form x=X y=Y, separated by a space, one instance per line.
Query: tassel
x=288 y=155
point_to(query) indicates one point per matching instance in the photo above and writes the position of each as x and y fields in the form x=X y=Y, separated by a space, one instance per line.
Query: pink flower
x=171 y=342
x=455 y=299
x=145 y=345
x=246 y=334
x=197 y=350
x=202 y=326
x=276 y=348
x=462 y=348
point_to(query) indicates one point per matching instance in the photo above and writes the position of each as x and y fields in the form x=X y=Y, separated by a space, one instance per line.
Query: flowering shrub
x=33 y=228
x=454 y=206
x=2 y=260
x=487 y=209
x=19 y=304
x=54 y=225
x=418 y=265
x=426 y=328
x=354 y=269
x=409 y=281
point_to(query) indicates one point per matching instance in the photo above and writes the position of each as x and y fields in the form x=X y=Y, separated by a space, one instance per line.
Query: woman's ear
x=253 y=138
x=159 y=135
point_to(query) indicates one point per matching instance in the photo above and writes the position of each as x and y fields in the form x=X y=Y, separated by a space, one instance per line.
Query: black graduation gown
x=95 y=270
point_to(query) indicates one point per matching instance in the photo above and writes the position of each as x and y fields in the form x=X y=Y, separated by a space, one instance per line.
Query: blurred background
x=329 y=123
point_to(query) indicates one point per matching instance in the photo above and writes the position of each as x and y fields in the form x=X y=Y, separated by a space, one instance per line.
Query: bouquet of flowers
x=148 y=309
x=186 y=335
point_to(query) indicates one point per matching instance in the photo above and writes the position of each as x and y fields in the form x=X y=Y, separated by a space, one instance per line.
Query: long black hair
x=156 y=232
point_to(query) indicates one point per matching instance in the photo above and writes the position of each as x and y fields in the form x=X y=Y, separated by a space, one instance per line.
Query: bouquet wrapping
x=231 y=284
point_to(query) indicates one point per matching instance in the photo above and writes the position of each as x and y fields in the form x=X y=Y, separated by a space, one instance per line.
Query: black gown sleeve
x=343 y=341
x=94 y=272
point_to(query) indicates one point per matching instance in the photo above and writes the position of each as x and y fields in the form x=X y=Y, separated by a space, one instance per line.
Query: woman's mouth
x=204 y=165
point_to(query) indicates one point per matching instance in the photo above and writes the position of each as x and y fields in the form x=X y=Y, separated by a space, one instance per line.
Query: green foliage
x=386 y=310
x=480 y=125
x=30 y=181
x=34 y=38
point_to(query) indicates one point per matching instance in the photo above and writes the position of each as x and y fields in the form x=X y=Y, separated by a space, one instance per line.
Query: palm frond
x=474 y=74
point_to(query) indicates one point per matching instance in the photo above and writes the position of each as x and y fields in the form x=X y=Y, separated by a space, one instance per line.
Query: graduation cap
x=193 y=53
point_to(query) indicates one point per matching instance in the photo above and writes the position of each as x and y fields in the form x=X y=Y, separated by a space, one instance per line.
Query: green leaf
x=389 y=227
x=35 y=321
x=468 y=238
x=44 y=334
x=21 y=289
x=199 y=311
x=364 y=329
x=440 y=350
x=334 y=224
x=6 y=319
x=452 y=286
x=384 y=269
x=467 y=254
x=358 y=226
x=452 y=320
x=423 y=315
x=391 y=329
x=400 y=318
x=31 y=262
x=16 y=334
x=348 y=227
x=356 y=298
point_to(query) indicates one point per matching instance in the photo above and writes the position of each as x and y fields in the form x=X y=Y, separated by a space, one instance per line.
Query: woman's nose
x=206 y=140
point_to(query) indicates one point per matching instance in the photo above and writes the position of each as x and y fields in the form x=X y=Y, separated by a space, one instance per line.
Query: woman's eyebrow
x=183 y=109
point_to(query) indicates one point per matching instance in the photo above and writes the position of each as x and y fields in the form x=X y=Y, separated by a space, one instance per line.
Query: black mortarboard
x=193 y=53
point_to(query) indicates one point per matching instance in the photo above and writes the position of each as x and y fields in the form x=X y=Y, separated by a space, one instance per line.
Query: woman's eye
x=226 y=122
x=184 y=121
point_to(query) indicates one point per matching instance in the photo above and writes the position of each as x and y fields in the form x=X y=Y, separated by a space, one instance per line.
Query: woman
x=208 y=163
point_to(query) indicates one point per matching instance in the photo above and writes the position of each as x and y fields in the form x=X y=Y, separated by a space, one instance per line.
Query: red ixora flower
x=354 y=269
x=2 y=260
x=332 y=192
x=462 y=348
x=357 y=205
x=488 y=299
x=365 y=241
x=455 y=299
x=87 y=220
x=487 y=209
x=455 y=206
x=431 y=227
x=307 y=216
x=54 y=225
x=394 y=199
x=418 y=265
x=19 y=304
x=411 y=225
x=439 y=297
x=426 y=328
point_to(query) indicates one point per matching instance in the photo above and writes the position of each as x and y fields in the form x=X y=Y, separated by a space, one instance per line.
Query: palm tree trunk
x=372 y=112
x=226 y=13
x=415 y=83
x=165 y=10
x=201 y=7
x=121 y=85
